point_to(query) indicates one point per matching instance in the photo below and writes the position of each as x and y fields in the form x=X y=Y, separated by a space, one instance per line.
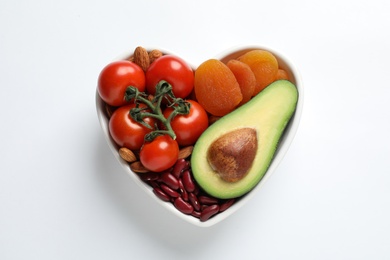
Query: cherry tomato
x=116 y=77
x=175 y=71
x=189 y=127
x=125 y=131
x=159 y=154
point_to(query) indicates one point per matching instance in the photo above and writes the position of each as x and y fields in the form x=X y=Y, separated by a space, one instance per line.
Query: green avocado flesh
x=268 y=113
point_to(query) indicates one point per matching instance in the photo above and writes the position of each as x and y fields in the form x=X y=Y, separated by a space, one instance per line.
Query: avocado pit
x=231 y=155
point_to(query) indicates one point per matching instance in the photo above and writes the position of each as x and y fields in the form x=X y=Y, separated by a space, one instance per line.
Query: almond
x=185 y=152
x=154 y=54
x=141 y=58
x=127 y=155
x=138 y=167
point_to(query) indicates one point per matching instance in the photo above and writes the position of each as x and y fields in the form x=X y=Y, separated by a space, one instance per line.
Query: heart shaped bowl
x=283 y=146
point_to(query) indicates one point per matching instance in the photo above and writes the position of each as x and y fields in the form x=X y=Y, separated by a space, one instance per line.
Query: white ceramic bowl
x=284 y=143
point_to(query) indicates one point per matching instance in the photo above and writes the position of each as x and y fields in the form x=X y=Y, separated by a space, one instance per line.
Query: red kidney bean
x=203 y=206
x=224 y=206
x=162 y=195
x=181 y=186
x=178 y=187
x=207 y=200
x=209 y=212
x=170 y=180
x=183 y=206
x=196 y=190
x=170 y=192
x=184 y=195
x=196 y=214
x=154 y=184
x=188 y=182
x=179 y=166
x=194 y=201
x=182 y=190
x=149 y=176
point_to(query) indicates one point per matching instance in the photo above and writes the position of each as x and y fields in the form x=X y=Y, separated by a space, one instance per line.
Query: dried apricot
x=281 y=74
x=264 y=65
x=245 y=77
x=216 y=88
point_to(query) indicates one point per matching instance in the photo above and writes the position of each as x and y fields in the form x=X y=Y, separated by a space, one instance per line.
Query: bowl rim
x=282 y=149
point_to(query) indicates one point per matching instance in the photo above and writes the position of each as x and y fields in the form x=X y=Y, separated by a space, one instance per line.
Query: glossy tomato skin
x=116 y=77
x=125 y=131
x=159 y=154
x=175 y=71
x=189 y=127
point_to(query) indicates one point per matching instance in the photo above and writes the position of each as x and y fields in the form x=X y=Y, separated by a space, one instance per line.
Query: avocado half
x=268 y=113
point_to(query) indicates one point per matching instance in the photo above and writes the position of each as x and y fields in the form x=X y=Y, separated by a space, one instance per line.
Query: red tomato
x=125 y=131
x=116 y=77
x=159 y=154
x=175 y=71
x=189 y=127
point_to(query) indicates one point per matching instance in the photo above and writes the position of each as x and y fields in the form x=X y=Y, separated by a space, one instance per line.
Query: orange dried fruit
x=245 y=77
x=281 y=74
x=264 y=65
x=216 y=88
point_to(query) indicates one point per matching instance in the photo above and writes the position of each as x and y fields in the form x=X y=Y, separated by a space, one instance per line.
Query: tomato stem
x=153 y=109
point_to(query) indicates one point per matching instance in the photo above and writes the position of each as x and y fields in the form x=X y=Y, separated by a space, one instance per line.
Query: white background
x=63 y=195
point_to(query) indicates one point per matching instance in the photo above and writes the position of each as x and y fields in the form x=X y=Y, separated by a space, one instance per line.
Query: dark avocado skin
x=268 y=113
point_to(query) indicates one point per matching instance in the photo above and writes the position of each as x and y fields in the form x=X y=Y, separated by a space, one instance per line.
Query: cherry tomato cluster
x=128 y=130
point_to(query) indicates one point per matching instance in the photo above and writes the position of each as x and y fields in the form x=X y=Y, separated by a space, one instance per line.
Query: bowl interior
x=283 y=146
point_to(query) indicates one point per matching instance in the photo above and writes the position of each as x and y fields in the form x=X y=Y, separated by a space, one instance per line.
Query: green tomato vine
x=153 y=108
